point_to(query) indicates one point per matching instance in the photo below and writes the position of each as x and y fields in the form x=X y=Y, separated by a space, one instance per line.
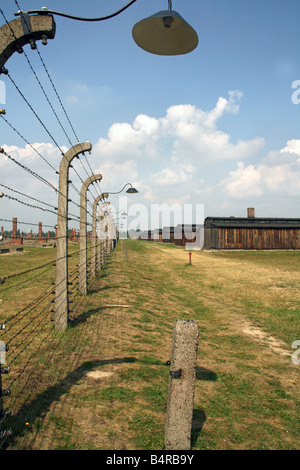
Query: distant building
x=157 y=235
x=189 y=234
x=168 y=234
x=250 y=233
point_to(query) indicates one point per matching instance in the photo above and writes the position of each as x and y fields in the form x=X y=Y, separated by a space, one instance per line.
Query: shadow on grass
x=101 y=276
x=205 y=374
x=94 y=291
x=40 y=406
x=84 y=316
x=199 y=419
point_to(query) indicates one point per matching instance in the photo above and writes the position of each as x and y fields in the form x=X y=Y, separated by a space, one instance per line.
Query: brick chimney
x=14 y=229
x=251 y=212
x=40 y=230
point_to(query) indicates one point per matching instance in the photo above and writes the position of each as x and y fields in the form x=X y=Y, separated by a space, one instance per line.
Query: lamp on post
x=164 y=33
x=130 y=190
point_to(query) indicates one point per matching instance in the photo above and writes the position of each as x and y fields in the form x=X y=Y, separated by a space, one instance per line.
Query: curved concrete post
x=13 y=36
x=108 y=245
x=94 y=254
x=110 y=233
x=113 y=233
x=83 y=233
x=100 y=250
x=61 y=295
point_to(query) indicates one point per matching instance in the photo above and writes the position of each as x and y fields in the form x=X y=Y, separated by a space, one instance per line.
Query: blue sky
x=218 y=127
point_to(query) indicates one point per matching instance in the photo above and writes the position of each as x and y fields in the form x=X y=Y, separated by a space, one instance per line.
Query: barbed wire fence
x=28 y=338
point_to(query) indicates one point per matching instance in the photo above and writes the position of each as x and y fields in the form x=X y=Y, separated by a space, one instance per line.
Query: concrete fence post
x=99 y=255
x=61 y=290
x=2 y=361
x=106 y=248
x=1 y=394
x=13 y=37
x=101 y=236
x=181 y=385
x=83 y=233
x=102 y=252
x=1 y=400
x=95 y=239
x=99 y=247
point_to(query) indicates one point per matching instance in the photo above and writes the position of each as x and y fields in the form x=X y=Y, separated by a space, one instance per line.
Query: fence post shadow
x=199 y=416
x=40 y=405
x=205 y=374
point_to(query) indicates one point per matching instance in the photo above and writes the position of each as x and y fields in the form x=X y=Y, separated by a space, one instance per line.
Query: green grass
x=246 y=393
x=148 y=432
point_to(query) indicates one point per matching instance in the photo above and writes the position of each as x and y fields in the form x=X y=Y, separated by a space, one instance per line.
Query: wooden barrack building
x=251 y=233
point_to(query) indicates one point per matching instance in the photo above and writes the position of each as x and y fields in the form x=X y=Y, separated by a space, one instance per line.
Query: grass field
x=105 y=386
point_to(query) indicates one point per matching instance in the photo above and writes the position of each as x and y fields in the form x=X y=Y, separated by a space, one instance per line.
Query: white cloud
x=173 y=159
x=174 y=175
x=192 y=136
x=149 y=195
x=13 y=175
x=277 y=173
x=293 y=146
x=198 y=139
x=26 y=154
x=115 y=175
x=180 y=200
x=243 y=182
x=127 y=141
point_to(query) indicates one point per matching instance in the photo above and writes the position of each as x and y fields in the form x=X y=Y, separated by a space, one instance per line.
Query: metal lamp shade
x=165 y=33
x=132 y=191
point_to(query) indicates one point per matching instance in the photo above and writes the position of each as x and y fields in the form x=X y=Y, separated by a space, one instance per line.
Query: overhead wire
x=35 y=114
x=49 y=102
x=39 y=177
x=26 y=195
x=28 y=143
x=37 y=309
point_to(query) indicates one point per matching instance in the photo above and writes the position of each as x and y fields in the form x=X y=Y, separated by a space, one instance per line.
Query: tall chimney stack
x=251 y=212
x=14 y=228
x=40 y=230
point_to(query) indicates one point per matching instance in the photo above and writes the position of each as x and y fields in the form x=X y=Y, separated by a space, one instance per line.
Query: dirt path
x=254 y=282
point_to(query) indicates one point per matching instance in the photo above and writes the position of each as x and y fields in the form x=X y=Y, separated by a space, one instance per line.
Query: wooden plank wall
x=186 y=237
x=211 y=239
x=259 y=238
x=168 y=238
